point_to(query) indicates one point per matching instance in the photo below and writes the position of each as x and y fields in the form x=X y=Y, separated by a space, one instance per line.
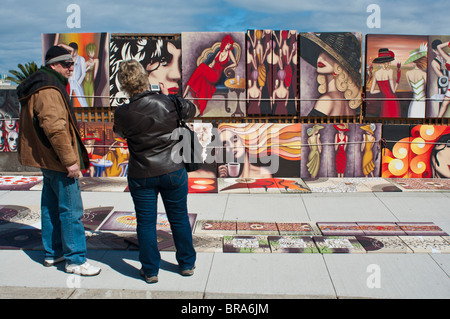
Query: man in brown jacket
x=49 y=139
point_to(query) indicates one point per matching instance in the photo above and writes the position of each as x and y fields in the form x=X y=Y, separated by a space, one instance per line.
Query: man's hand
x=74 y=171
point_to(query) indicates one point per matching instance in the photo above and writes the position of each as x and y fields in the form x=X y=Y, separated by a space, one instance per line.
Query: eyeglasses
x=67 y=64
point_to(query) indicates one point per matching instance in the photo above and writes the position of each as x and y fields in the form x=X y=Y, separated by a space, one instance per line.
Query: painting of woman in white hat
x=417 y=79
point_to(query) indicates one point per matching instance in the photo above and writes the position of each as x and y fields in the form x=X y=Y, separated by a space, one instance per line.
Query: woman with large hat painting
x=337 y=58
x=384 y=77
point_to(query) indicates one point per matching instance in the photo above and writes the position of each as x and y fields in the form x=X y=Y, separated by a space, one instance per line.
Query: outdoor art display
x=272 y=72
x=330 y=74
x=340 y=150
x=9 y=120
x=160 y=56
x=416 y=151
x=214 y=72
x=89 y=82
x=438 y=73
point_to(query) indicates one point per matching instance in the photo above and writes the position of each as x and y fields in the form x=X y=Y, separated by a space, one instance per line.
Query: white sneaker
x=85 y=269
x=52 y=261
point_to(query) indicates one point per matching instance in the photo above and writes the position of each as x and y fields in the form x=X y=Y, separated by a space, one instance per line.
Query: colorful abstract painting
x=214 y=72
x=330 y=74
x=416 y=151
x=396 y=75
x=9 y=120
x=272 y=72
x=159 y=55
x=257 y=150
x=89 y=82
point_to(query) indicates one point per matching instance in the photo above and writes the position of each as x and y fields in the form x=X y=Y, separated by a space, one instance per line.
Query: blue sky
x=23 y=21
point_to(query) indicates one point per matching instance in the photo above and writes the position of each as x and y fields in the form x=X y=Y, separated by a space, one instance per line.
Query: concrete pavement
x=250 y=275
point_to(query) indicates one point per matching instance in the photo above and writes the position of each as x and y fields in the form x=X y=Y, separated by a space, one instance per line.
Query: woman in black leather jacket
x=147 y=122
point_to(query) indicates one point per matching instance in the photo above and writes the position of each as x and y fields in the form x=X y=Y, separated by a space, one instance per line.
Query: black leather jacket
x=147 y=123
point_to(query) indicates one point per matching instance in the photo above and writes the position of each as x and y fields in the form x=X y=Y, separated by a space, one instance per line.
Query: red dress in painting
x=390 y=106
x=341 y=156
x=203 y=80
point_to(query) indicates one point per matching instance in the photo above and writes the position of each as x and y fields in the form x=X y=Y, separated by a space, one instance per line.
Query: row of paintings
x=268 y=72
x=309 y=151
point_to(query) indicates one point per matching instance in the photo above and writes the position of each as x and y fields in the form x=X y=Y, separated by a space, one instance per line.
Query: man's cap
x=57 y=54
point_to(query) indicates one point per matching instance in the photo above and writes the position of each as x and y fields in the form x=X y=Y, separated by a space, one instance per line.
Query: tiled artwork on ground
x=292 y=244
x=215 y=227
x=202 y=185
x=106 y=240
x=256 y=228
x=208 y=243
x=421 y=184
x=262 y=185
x=338 y=244
x=383 y=244
x=340 y=228
x=427 y=244
x=126 y=221
x=380 y=229
x=93 y=217
x=298 y=229
x=19 y=183
x=15 y=216
x=421 y=229
x=246 y=244
x=351 y=185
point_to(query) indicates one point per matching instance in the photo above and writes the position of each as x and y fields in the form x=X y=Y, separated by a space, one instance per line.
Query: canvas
x=427 y=244
x=214 y=72
x=330 y=74
x=421 y=229
x=215 y=227
x=257 y=228
x=258 y=150
x=395 y=78
x=298 y=229
x=89 y=83
x=438 y=72
x=25 y=239
x=208 y=243
x=246 y=244
x=19 y=183
x=93 y=217
x=340 y=228
x=292 y=244
x=338 y=244
x=384 y=244
x=160 y=55
x=416 y=151
x=381 y=229
x=9 y=120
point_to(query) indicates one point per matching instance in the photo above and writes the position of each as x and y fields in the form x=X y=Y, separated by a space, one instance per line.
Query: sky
x=23 y=21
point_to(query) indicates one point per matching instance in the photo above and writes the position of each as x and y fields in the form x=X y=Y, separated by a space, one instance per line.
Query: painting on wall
x=416 y=151
x=340 y=150
x=214 y=72
x=257 y=150
x=159 y=55
x=89 y=82
x=396 y=76
x=272 y=72
x=330 y=74
x=9 y=120
x=438 y=74
x=108 y=153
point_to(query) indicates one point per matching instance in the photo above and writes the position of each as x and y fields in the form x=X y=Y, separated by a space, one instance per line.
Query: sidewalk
x=221 y=275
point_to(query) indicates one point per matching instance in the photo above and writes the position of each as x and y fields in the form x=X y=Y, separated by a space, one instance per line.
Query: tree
x=26 y=71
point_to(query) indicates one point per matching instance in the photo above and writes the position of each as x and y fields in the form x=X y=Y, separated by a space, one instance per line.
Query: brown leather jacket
x=48 y=135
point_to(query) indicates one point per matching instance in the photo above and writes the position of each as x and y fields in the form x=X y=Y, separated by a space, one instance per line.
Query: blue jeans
x=61 y=212
x=174 y=189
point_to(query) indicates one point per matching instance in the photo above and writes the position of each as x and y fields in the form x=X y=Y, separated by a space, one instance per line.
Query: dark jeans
x=174 y=189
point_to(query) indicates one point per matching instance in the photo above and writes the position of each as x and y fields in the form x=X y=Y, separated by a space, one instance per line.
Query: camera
x=443 y=81
x=155 y=88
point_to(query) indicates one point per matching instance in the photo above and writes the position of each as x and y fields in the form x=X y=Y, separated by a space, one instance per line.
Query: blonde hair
x=344 y=84
x=132 y=77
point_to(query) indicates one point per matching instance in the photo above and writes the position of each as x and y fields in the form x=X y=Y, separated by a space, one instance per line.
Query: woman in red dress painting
x=340 y=146
x=203 y=80
x=384 y=77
